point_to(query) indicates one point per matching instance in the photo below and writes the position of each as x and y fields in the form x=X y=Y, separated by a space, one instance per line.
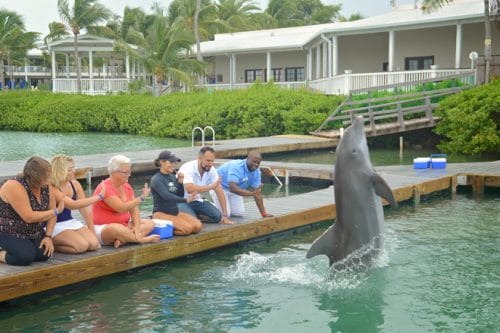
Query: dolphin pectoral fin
x=324 y=244
x=383 y=190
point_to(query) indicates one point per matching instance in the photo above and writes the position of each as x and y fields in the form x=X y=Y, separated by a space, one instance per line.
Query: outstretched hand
x=192 y=196
x=145 y=191
x=103 y=190
x=60 y=205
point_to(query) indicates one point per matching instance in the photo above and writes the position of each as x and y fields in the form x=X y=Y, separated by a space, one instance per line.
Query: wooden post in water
x=478 y=185
x=453 y=186
x=416 y=196
x=400 y=148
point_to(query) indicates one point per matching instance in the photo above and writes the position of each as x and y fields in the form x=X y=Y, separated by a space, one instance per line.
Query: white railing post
x=202 y=136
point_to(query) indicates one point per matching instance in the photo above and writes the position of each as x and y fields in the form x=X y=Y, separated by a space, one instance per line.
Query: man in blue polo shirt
x=241 y=178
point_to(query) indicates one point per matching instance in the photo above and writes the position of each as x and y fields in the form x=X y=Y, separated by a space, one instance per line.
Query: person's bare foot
x=117 y=243
x=150 y=239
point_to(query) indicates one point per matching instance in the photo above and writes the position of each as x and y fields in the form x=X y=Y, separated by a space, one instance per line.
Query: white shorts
x=98 y=230
x=234 y=203
x=67 y=225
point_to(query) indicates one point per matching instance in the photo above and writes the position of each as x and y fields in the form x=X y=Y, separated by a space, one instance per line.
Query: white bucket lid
x=162 y=223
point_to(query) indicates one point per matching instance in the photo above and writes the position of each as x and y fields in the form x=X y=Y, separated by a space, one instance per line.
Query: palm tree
x=166 y=47
x=11 y=25
x=83 y=15
x=237 y=13
x=431 y=5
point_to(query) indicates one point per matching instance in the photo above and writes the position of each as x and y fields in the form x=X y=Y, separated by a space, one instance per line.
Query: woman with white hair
x=116 y=218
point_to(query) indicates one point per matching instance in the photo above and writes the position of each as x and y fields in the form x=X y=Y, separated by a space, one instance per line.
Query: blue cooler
x=421 y=162
x=163 y=228
x=438 y=161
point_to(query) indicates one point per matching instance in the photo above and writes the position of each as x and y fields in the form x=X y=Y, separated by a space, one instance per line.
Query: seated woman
x=27 y=205
x=71 y=235
x=168 y=191
x=116 y=218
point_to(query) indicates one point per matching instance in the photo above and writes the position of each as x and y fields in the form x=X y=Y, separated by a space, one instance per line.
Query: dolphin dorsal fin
x=383 y=190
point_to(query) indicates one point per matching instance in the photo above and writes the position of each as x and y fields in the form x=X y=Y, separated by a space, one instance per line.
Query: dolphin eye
x=354 y=151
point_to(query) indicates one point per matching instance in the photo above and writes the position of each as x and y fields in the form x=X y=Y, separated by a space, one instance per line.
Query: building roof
x=297 y=38
x=85 y=43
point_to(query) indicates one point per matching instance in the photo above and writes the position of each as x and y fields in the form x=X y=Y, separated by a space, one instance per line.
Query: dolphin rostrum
x=360 y=215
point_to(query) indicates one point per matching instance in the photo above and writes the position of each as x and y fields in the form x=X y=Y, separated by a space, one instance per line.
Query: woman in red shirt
x=116 y=217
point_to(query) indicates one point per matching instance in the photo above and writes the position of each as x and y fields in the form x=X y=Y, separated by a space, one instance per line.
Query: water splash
x=290 y=267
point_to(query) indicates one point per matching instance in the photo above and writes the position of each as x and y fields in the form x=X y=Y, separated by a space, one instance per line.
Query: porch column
x=268 y=64
x=127 y=66
x=53 y=53
x=133 y=69
x=91 y=72
x=334 y=62
x=309 y=64
x=67 y=65
x=458 y=46
x=26 y=68
x=392 y=38
x=325 y=59
x=318 y=61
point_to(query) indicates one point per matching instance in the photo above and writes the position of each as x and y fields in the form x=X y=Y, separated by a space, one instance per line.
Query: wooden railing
x=397 y=109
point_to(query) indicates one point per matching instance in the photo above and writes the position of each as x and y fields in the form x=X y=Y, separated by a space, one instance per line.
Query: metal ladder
x=202 y=130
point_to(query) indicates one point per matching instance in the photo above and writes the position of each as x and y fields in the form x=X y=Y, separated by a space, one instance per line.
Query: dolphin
x=360 y=215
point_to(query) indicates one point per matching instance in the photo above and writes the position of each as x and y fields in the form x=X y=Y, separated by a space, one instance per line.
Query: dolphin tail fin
x=383 y=190
x=324 y=244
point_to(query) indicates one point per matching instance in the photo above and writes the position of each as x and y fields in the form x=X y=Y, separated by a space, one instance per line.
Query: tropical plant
x=289 y=13
x=15 y=41
x=83 y=15
x=470 y=121
x=165 y=53
x=237 y=13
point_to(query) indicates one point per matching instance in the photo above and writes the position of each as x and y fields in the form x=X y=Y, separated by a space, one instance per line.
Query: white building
x=403 y=45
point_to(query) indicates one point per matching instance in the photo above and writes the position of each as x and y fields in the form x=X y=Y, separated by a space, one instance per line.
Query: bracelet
x=101 y=197
x=142 y=198
x=55 y=212
x=48 y=236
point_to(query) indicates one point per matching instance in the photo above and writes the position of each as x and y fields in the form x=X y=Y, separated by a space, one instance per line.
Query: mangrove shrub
x=470 y=120
x=262 y=110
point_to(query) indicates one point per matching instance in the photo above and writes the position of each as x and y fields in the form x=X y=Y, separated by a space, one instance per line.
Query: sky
x=38 y=14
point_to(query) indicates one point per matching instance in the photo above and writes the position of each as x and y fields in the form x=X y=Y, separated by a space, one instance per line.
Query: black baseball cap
x=168 y=156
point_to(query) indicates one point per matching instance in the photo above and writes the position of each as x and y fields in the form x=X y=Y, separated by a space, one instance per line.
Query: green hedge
x=470 y=121
x=262 y=110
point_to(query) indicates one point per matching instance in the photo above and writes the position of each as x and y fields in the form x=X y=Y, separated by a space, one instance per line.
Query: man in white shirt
x=200 y=176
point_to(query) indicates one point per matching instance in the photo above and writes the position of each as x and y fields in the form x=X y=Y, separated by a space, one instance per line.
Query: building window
x=416 y=63
x=294 y=74
x=277 y=74
x=219 y=78
x=252 y=75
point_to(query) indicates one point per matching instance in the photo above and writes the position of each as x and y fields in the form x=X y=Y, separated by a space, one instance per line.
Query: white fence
x=345 y=83
x=90 y=86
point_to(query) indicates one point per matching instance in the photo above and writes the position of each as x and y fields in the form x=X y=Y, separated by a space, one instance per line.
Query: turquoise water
x=378 y=157
x=22 y=145
x=439 y=272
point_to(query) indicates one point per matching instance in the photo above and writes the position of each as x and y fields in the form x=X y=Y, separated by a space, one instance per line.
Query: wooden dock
x=142 y=161
x=290 y=212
